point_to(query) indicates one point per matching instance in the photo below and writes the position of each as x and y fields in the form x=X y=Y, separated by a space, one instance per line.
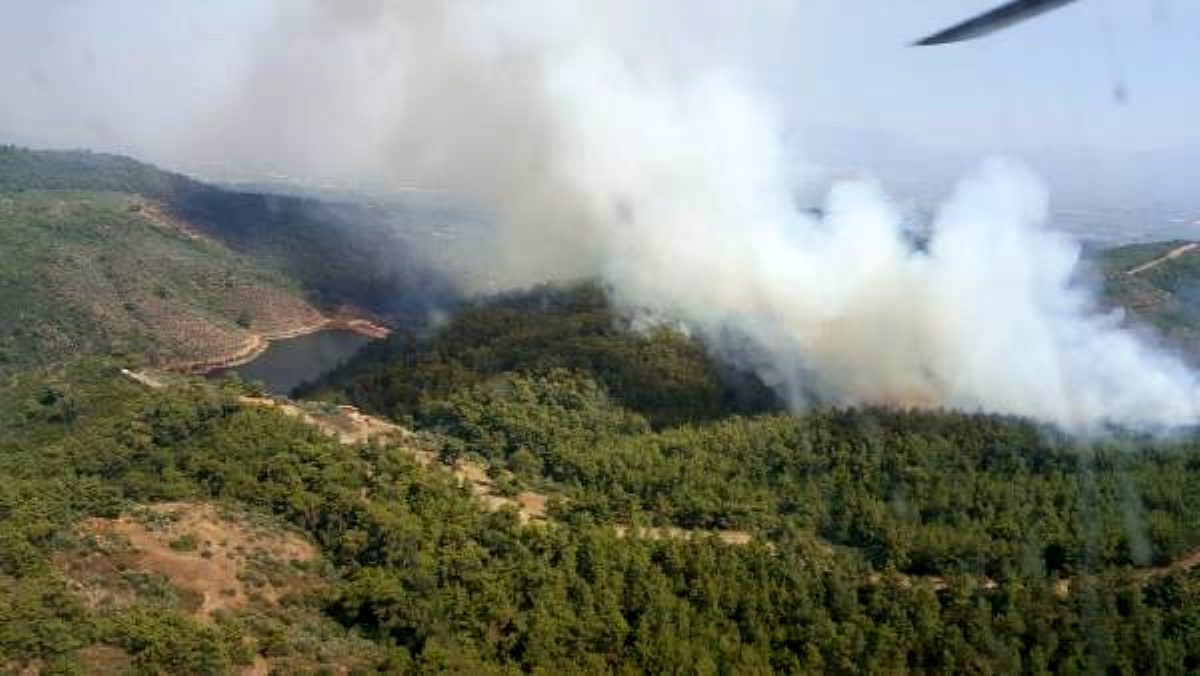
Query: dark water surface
x=290 y=362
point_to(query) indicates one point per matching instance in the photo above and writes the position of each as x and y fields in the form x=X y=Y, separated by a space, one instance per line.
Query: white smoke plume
x=607 y=146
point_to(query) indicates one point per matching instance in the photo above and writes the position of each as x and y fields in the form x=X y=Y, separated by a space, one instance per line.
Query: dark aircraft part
x=997 y=19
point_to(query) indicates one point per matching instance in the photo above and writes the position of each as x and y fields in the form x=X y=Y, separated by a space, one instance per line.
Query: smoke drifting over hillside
x=603 y=153
x=621 y=142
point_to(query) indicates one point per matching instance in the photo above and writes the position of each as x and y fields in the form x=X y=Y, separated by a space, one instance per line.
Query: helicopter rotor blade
x=999 y=18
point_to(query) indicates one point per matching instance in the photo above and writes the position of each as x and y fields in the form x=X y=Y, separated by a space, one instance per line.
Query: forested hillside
x=112 y=273
x=103 y=254
x=156 y=523
x=660 y=373
x=881 y=542
x=1158 y=284
x=24 y=169
x=342 y=254
x=550 y=386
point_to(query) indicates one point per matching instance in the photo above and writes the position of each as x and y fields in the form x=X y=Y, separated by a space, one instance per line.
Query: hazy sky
x=1048 y=81
x=141 y=76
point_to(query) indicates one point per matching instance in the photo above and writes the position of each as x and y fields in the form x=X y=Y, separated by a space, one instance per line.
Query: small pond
x=288 y=363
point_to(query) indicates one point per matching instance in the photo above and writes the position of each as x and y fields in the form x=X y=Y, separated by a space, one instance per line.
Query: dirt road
x=1173 y=253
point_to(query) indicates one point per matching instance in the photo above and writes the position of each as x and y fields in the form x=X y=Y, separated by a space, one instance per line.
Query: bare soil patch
x=213 y=559
x=344 y=423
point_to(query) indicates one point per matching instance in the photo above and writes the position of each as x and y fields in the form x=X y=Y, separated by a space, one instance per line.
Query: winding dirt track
x=1173 y=253
x=348 y=425
x=1183 y=564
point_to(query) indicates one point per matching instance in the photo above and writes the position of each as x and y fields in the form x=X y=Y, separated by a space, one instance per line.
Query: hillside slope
x=340 y=253
x=104 y=254
x=662 y=374
x=185 y=528
x=111 y=273
x=1158 y=284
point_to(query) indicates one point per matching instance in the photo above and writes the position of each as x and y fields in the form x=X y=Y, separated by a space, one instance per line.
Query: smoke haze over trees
x=645 y=147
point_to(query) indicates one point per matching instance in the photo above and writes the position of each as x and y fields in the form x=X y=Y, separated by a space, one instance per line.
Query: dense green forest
x=881 y=541
x=550 y=386
x=851 y=512
x=876 y=541
x=661 y=374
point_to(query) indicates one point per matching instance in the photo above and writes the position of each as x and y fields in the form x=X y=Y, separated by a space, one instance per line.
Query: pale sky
x=1047 y=81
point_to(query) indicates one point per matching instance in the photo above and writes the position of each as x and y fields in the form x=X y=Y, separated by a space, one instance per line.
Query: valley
x=283 y=363
x=845 y=517
x=530 y=483
x=599 y=338
x=104 y=254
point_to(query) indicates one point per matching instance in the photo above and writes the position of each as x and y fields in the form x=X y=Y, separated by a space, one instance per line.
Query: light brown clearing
x=350 y=426
x=344 y=423
x=218 y=561
x=531 y=507
x=104 y=659
x=159 y=216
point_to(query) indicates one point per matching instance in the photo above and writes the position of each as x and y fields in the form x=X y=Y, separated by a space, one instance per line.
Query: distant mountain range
x=531 y=486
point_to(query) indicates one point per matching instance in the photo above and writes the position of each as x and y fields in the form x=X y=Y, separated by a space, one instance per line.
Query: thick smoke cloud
x=629 y=143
